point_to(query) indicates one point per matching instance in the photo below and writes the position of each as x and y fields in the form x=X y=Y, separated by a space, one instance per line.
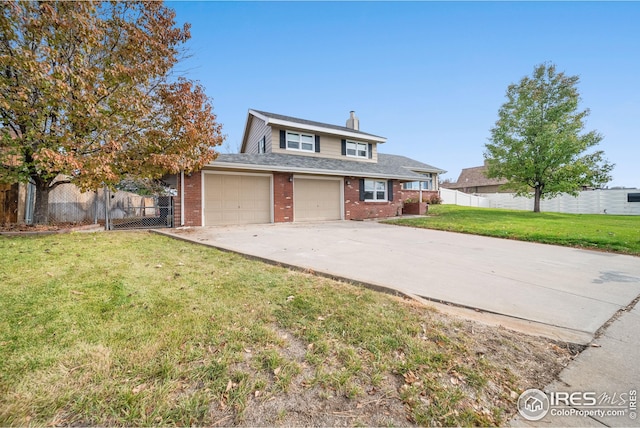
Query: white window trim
x=300 y=149
x=386 y=191
x=420 y=186
x=262 y=145
x=428 y=180
x=406 y=184
x=366 y=149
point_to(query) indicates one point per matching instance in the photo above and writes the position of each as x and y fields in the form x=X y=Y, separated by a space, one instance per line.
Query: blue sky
x=429 y=76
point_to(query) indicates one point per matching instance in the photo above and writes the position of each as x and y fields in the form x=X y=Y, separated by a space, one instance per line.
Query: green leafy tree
x=538 y=143
x=87 y=96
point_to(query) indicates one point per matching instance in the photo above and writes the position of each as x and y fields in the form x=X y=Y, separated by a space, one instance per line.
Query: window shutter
x=283 y=139
x=344 y=147
x=361 y=188
x=390 y=190
x=317 y=144
x=370 y=150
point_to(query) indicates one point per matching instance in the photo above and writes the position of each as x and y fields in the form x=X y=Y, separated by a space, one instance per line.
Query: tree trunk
x=41 y=212
x=536 y=200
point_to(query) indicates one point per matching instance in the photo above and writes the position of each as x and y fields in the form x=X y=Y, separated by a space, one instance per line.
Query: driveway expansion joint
x=557 y=300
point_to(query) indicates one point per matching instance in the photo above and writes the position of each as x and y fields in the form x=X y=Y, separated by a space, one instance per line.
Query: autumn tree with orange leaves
x=87 y=93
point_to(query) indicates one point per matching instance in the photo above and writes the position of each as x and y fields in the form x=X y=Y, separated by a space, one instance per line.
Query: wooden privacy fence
x=67 y=204
x=8 y=203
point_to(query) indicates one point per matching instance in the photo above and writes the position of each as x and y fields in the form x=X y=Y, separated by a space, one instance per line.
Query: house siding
x=283 y=197
x=484 y=189
x=330 y=146
x=257 y=130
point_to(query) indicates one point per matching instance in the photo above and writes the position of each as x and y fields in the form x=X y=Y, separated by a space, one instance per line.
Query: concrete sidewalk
x=610 y=366
x=559 y=292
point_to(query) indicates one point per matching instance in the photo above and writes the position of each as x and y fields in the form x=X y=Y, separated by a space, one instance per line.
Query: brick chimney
x=353 y=122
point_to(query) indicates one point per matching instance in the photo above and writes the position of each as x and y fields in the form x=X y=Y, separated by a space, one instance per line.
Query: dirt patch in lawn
x=45 y=229
x=135 y=329
x=525 y=362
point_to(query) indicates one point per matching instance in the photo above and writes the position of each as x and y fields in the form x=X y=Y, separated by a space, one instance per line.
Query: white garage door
x=236 y=199
x=316 y=199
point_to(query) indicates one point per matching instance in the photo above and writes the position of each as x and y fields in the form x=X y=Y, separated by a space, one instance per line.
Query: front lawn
x=131 y=329
x=615 y=233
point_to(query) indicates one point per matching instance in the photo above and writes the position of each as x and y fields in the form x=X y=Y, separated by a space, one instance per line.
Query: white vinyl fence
x=455 y=197
x=587 y=202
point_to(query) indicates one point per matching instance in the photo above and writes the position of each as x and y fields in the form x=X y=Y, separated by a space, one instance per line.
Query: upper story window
x=262 y=145
x=360 y=150
x=299 y=141
x=356 y=149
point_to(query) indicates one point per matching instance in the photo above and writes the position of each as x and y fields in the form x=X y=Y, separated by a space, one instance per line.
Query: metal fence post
x=107 y=226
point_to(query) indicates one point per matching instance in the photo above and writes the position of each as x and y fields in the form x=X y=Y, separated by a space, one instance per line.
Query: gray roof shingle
x=388 y=166
x=313 y=123
x=475 y=177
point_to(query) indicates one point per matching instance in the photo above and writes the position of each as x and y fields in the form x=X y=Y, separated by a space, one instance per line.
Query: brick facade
x=192 y=200
x=415 y=194
x=354 y=209
x=282 y=198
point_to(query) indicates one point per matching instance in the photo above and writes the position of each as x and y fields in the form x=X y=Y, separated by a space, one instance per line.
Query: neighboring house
x=474 y=180
x=291 y=169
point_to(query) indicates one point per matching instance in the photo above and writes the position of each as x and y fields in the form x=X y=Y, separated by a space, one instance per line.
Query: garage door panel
x=237 y=199
x=317 y=199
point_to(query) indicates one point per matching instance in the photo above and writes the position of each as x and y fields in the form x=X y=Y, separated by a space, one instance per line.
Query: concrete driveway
x=570 y=290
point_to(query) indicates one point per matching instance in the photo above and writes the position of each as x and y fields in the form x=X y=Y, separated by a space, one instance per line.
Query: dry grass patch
x=131 y=329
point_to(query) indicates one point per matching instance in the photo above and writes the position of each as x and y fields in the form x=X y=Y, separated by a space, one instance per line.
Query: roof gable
x=408 y=163
x=476 y=177
x=273 y=119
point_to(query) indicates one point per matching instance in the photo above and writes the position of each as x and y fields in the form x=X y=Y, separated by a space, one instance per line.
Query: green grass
x=132 y=329
x=619 y=234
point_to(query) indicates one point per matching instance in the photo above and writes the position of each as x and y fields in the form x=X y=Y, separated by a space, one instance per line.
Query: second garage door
x=236 y=199
x=316 y=199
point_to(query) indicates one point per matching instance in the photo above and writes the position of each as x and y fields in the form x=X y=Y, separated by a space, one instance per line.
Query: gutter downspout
x=182 y=198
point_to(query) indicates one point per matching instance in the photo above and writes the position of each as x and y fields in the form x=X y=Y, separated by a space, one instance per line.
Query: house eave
x=429 y=170
x=245 y=134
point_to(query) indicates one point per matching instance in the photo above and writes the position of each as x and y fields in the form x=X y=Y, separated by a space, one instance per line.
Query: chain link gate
x=138 y=212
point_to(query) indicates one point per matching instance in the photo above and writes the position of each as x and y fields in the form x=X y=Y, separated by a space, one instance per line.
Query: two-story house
x=291 y=169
